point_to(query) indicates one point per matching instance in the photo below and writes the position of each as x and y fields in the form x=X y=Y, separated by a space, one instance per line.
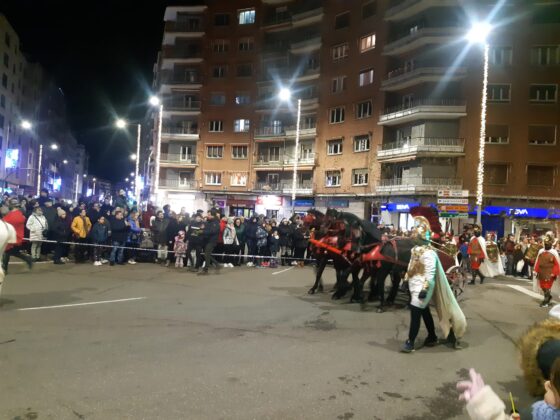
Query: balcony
x=312 y=43
x=187 y=55
x=420 y=147
x=180 y=185
x=265 y=162
x=285 y=187
x=187 y=80
x=424 y=109
x=179 y=133
x=403 y=78
x=188 y=27
x=409 y=8
x=177 y=160
x=304 y=131
x=183 y=106
x=277 y=19
x=269 y=133
x=308 y=74
x=311 y=12
x=417 y=185
x=420 y=37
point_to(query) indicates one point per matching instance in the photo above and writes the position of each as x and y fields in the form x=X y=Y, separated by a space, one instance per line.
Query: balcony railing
x=180 y=104
x=416 y=33
x=171 y=130
x=176 y=184
x=266 y=186
x=417 y=184
x=436 y=142
x=311 y=41
x=277 y=18
x=270 y=132
x=308 y=159
x=404 y=75
x=181 y=79
x=425 y=102
x=178 y=158
x=285 y=187
x=190 y=26
x=309 y=9
x=434 y=108
x=182 y=53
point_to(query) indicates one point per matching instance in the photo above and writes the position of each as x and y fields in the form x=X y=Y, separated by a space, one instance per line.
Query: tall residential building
x=390 y=97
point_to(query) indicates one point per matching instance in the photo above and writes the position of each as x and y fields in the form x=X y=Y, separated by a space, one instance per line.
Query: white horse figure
x=7 y=236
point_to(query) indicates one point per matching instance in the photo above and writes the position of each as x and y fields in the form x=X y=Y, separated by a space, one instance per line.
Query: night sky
x=101 y=53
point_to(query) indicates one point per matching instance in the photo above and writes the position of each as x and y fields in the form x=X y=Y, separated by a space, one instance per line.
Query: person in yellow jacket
x=81 y=226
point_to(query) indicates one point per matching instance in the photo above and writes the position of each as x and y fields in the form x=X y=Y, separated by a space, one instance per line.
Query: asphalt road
x=245 y=344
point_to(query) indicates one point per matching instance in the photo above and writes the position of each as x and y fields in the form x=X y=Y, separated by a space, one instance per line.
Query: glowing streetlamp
x=26 y=125
x=154 y=101
x=478 y=34
x=133 y=157
x=65 y=161
x=120 y=123
x=285 y=95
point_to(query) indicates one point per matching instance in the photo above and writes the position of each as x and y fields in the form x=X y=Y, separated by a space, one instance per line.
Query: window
x=336 y=115
x=338 y=84
x=542 y=93
x=5 y=80
x=217 y=99
x=339 y=51
x=221 y=19
x=542 y=135
x=241 y=126
x=545 y=55
x=497 y=134
x=369 y=9
x=495 y=173
x=542 y=176
x=219 y=71
x=214 y=152
x=334 y=147
x=242 y=99
x=342 y=20
x=367 y=43
x=2 y=101
x=220 y=45
x=7 y=60
x=274 y=153
x=246 y=44
x=366 y=77
x=239 y=152
x=7 y=39
x=244 y=70
x=360 y=176
x=332 y=178
x=500 y=56
x=213 y=178
x=1 y=121
x=361 y=143
x=238 y=179
x=498 y=93
x=363 y=109
x=246 y=17
x=216 y=126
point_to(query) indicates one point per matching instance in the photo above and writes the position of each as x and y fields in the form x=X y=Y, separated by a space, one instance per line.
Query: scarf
x=543 y=411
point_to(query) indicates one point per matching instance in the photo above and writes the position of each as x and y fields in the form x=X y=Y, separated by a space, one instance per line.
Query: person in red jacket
x=547 y=268
x=476 y=254
x=15 y=218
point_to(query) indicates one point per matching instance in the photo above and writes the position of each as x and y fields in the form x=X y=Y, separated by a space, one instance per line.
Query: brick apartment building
x=390 y=106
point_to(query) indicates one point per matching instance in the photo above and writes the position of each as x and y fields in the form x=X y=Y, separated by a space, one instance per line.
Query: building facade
x=390 y=95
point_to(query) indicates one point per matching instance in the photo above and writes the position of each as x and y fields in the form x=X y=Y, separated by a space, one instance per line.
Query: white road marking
x=80 y=304
x=282 y=271
x=524 y=290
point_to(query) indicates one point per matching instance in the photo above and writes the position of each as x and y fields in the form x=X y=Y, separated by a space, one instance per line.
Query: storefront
x=517 y=220
x=398 y=215
x=241 y=206
x=271 y=206
x=177 y=201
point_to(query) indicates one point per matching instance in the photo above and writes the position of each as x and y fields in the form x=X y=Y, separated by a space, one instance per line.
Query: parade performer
x=427 y=283
x=547 y=268
x=492 y=266
x=477 y=254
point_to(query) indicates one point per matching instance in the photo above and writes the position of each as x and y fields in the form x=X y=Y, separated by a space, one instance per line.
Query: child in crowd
x=180 y=249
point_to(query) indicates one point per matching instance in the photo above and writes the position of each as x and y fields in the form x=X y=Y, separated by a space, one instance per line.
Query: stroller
x=146 y=253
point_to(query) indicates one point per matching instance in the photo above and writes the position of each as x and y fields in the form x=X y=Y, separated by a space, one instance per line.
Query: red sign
x=269 y=200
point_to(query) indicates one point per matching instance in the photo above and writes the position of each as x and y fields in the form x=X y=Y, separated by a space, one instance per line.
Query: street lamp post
x=479 y=34
x=93 y=190
x=285 y=95
x=40 y=165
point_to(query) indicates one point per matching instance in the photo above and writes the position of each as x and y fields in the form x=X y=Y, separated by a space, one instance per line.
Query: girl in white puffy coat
x=38 y=226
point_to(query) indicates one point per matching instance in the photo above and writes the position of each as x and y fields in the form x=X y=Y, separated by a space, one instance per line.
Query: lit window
x=238 y=179
x=333 y=178
x=363 y=109
x=213 y=178
x=239 y=152
x=338 y=84
x=542 y=93
x=215 y=152
x=360 y=176
x=216 y=126
x=498 y=93
x=241 y=126
x=339 y=51
x=367 y=43
x=366 y=77
x=336 y=115
x=334 y=147
x=361 y=143
x=246 y=17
